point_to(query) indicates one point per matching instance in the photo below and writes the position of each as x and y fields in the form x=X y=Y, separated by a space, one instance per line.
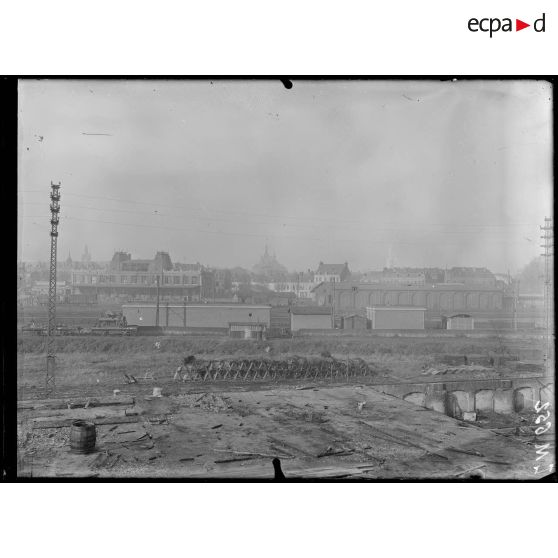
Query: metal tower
x=548 y=237
x=50 y=383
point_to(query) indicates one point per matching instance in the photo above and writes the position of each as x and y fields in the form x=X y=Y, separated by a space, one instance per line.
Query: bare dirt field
x=340 y=432
x=339 y=428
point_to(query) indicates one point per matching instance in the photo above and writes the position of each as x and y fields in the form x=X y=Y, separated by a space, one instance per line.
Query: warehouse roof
x=246 y=324
x=311 y=310
x=164 y=305
x=392 y=287
x=397 y=308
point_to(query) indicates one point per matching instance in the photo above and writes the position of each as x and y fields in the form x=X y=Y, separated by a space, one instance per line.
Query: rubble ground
x=233 y=429
x=343 y=431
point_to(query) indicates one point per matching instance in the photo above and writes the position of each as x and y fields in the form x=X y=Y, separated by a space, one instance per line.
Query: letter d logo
x=539 y=24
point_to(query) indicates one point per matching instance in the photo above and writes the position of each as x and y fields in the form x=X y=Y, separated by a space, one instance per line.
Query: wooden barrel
x=83 y=436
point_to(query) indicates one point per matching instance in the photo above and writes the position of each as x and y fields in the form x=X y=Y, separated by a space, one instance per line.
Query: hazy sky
x=444 y=173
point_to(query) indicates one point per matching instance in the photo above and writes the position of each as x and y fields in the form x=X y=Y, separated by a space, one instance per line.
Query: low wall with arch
x=455 y=398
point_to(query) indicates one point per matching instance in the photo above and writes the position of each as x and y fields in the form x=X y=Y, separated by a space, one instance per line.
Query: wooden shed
x=458 y=321
x=247 y=330
x=311 y=317
x=355 y=321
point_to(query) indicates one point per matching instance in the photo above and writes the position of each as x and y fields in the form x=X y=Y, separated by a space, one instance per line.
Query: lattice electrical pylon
x=50 y=382
x=548 y=245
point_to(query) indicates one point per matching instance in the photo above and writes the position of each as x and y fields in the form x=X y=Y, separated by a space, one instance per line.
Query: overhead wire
x=280 y=217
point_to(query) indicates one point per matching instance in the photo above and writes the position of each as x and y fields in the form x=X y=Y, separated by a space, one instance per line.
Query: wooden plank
x=233 y=459
x=339 y=452
x=253 y=453
x=73 y=403
x=49 y=423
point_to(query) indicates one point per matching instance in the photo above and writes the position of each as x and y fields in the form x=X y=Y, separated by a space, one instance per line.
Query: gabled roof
x=355 y=316
x=311 y=310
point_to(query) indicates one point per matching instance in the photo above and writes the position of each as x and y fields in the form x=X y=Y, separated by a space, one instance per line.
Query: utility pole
x=50 y=381
x=548 y=293
x=157 y=309
x=162 y=276
x=333 y=306
x=515 y=300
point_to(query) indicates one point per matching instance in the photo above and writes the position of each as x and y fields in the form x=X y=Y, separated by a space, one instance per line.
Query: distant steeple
x=69 y=260
x=86 y=257
x=389 y=260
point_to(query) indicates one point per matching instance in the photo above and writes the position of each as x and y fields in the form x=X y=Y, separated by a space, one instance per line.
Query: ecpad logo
x=493 y=25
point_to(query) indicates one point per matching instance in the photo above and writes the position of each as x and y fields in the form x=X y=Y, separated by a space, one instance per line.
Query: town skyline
x=395 y=265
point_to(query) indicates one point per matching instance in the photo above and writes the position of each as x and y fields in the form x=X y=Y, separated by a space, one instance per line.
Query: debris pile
x=209 y=402
x=434 y=371
x=323 y=368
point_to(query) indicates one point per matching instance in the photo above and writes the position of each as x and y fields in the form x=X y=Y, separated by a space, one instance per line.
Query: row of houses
x=125 y=275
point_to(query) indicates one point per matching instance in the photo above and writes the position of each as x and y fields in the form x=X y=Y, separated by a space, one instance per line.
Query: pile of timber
x=79 y=403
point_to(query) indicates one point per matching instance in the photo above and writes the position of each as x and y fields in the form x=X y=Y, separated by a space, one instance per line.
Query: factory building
x=210 y=316
x=471 y=276
x=310 y=317
x=350 y=296
x=396 y=317
x=405 y=276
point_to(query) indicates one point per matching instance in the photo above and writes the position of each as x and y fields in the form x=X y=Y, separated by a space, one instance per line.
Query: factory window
x=195 y=280
x=185 y=279
x=124 y=279
x=133 y=279
x=166 y=280
x=176 y=280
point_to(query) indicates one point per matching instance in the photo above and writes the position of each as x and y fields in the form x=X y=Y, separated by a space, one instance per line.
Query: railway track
x=251 y=374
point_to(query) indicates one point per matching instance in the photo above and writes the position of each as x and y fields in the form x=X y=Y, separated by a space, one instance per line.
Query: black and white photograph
x=285 y=279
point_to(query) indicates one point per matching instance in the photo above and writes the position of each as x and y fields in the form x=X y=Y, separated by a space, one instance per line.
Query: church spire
x=86 y=257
